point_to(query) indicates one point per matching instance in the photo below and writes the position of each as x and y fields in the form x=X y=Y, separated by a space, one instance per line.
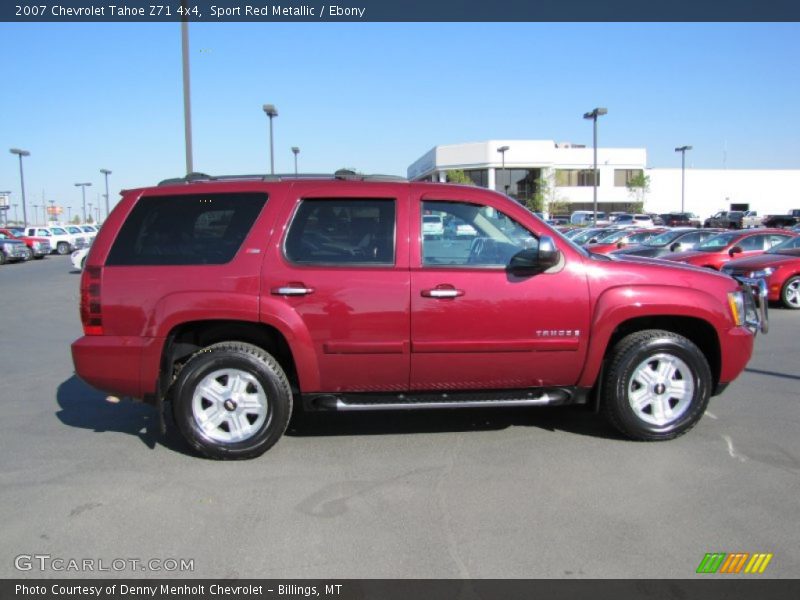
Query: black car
x=674 y=240
x=681 y=219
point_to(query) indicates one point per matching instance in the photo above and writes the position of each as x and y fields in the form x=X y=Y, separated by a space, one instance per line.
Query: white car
x=90 y=231
x=78 y=258
x=641 y=221
x=432 y=226
x=60 y=239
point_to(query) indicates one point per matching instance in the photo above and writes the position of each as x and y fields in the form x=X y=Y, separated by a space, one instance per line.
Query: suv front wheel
x=232 y=400
x=657 y=385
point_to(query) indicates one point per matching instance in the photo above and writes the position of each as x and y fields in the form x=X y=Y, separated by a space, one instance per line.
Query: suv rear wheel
x=657 y=386
x=232 y=400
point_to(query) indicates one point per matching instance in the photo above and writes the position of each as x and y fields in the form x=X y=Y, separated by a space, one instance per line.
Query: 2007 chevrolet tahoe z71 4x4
x=229 y=298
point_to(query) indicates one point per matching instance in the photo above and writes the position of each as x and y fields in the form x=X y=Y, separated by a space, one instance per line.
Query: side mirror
x=535 y=260
x=735 y=250
x=592 y=241
x=620 y=244
x=675 y=246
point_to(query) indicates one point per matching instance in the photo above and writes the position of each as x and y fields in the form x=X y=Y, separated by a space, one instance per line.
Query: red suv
x=228 y=299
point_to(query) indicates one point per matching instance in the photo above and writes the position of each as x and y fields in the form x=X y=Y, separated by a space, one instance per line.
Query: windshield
x=790 y=246
x=665 y=238
x=58 y=231
x=717 y=242
x=586 y=235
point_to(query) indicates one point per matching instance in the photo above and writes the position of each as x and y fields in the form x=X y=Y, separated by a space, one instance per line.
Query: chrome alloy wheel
x=661 y=389
x=792 y=294
x=229 y=405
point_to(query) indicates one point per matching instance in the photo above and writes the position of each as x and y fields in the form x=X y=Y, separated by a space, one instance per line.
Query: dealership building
x=518 y=167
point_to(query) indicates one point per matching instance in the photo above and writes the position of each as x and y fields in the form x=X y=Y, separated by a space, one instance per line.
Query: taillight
x=91 y=314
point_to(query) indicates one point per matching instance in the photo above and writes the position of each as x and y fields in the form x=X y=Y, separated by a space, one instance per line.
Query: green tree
x=558 y=207
x=638 y=187
x=458 y=176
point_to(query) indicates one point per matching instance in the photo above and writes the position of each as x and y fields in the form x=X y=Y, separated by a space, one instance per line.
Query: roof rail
x=341 y=174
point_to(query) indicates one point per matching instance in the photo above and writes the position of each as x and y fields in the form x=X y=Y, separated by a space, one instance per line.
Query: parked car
x=78 y=258
x=751 y=219
x=718 y=250
x=586 y=217
x=725 y=219
x=789 y=220
x=227 y=311
x=12 y=249
x=638 y=221
x=38 y=248
x=620 y=239
x=613 y=216
x=779 y=266
x=60 y=239
x=667 y=242
x=433 y=226
x=681 y=219
x=590 y=235
x=90 y=231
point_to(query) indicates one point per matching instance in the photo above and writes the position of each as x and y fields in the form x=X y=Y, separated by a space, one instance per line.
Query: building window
x=623 y=177
x=575 y=178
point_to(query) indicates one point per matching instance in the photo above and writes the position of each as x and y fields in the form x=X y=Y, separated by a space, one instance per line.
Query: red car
x=38 y=247
x=717 y=251
x=779 y=266
x=225 y=300
x=619 y=239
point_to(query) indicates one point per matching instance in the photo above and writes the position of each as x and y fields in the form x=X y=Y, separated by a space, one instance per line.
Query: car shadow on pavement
x=571 y=419
x=86 y=408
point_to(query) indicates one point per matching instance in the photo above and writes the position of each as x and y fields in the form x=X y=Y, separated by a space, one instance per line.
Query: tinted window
x=754 y=242
x=197 y=229
x=474 y=236
x=342 y=231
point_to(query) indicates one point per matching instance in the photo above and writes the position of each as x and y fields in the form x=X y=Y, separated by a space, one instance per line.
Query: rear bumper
x=118 y=365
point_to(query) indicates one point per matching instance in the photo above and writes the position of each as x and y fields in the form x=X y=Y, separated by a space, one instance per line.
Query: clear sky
x=375 y=97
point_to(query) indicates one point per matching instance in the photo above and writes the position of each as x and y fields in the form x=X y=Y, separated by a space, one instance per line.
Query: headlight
x=736 y=304
x=761 y=273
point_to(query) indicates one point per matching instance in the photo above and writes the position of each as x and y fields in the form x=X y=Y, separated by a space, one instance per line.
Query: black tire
x=28 y=254
x=265 y=372
x=40 y=257
x=790 y=283
x=62 y=248
x=628 y=358
x=2 y=257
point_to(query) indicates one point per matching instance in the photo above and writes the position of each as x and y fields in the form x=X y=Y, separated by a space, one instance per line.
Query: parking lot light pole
x=597 y=112
x=22 y=153
x=295 y=151
x=187 y=90
x=83 y=194
x=69 y=214
x=502 y=150
x=6 y=209
x=271 y=112
x=106 y=172
x=683 y=150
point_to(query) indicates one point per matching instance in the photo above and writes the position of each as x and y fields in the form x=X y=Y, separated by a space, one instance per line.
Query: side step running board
x=503 y=398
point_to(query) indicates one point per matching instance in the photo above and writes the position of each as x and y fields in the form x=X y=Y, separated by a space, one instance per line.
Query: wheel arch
x=187 y=338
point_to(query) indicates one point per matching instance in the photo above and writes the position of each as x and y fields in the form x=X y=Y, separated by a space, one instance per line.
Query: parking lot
x=482 y=493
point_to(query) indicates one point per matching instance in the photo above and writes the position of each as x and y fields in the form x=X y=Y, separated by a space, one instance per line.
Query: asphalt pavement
x=533 y=493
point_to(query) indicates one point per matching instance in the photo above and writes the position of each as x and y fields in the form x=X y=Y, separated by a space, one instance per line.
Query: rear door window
x=342 y=231
x=196 y=229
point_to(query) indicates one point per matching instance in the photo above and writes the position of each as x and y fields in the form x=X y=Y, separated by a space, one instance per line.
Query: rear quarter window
x=196 y=229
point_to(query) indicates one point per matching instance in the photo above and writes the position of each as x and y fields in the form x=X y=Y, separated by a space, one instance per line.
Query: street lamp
x=5 y=210
x=295 y=151
x=83 y=187
x=90 y=213
x=502 y=150
x=69 y=214
x=35 y=210
x=683 y=150
x=187 y=91
x=270 y=111
x=22 y=153
x=597 y=112
x=106 y=172
x=16 y=217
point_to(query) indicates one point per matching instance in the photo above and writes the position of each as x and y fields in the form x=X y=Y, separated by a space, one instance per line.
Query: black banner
x=276 y=11
x=732 y=588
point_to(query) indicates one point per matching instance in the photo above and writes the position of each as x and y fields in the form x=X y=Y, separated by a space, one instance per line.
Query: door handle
x=442 y=293
x=292 y=289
